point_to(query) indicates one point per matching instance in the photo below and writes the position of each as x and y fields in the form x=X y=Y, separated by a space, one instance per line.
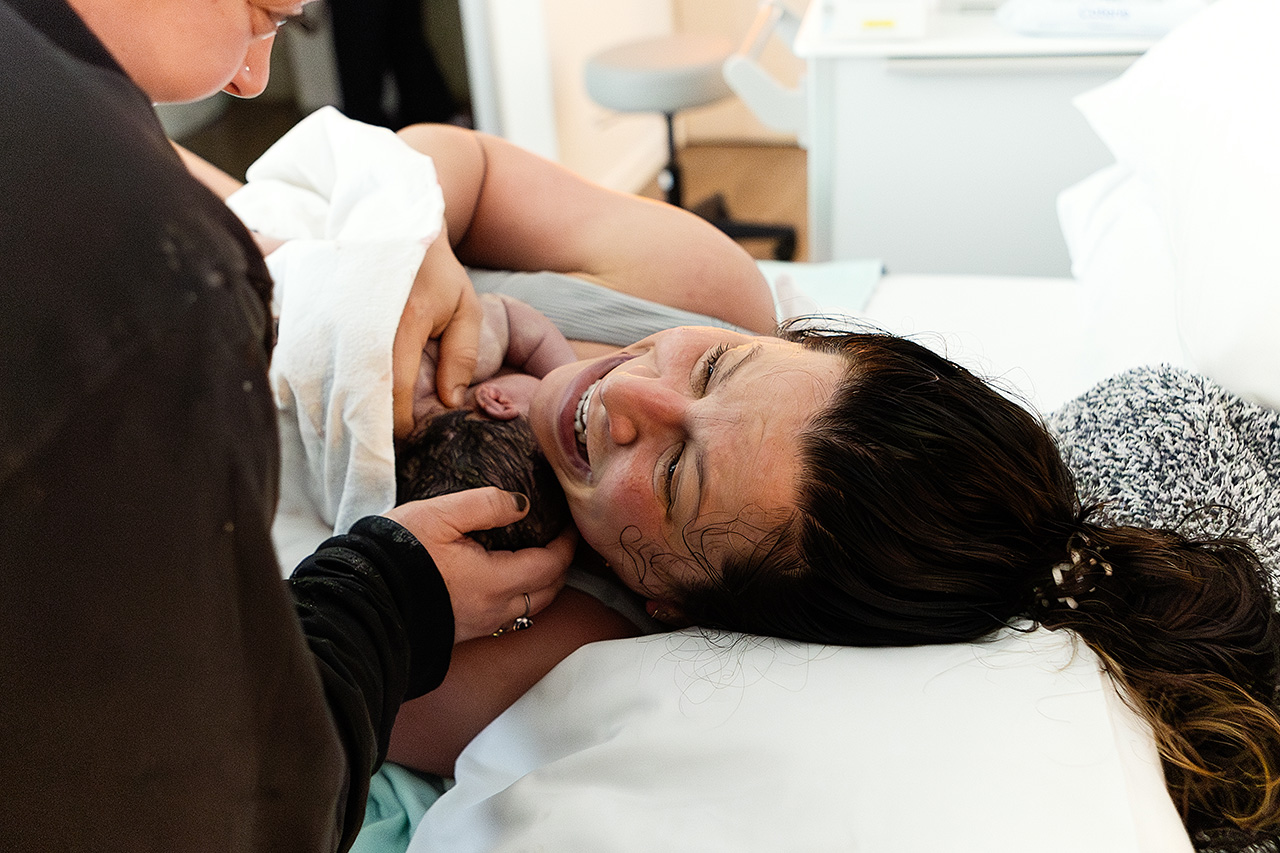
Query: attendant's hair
x=460 y=449
x=933 y=509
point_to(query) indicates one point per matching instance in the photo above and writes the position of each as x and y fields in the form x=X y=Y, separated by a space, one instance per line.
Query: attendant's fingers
x=487 y=588
x=538 y=601
x=455 y=515
x=533 y=569
x=459 y=348
x=484 y=586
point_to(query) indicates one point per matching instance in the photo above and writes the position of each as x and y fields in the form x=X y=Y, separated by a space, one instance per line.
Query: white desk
x=946 y=154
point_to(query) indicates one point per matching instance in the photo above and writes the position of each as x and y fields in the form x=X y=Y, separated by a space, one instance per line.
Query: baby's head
x=460 y=449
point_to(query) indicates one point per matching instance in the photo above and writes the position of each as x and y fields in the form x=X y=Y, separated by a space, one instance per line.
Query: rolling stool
x=665 y=75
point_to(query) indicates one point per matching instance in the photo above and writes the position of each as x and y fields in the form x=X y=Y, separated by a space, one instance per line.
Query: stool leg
x=669 y=177
x=714 y=209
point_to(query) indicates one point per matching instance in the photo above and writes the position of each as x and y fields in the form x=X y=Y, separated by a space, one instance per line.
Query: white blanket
x=359 y=208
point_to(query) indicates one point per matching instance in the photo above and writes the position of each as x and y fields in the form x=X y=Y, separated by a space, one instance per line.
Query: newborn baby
x=488 y=442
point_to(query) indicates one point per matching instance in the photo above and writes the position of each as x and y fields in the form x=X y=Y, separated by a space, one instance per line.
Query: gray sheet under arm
x=588 y=312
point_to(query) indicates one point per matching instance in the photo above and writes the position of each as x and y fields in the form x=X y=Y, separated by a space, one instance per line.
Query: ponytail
x=1187 y=628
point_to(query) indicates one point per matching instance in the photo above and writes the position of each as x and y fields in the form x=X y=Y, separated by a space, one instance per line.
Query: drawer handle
x=997 y=65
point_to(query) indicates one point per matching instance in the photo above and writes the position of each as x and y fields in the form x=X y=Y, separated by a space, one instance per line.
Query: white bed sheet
x=690 y=741
x=1022 y=333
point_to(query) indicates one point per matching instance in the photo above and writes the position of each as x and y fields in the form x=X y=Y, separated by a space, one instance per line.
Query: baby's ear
x=494 y=403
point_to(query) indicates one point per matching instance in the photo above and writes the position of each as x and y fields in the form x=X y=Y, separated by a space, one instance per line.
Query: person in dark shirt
x=162 y=688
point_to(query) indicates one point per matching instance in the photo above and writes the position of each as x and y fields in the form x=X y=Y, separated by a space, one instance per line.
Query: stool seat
x=660 y=75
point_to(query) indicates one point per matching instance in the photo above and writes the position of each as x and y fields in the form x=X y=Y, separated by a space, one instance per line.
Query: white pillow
x=1196 y=120
x=1120 y=254
x=689 y=741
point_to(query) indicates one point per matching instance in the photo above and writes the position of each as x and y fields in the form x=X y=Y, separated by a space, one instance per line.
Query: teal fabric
x=398 y=799
x=843 y=287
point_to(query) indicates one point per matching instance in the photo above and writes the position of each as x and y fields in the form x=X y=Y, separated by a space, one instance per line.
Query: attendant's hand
x=487 y=588
x=442 y=304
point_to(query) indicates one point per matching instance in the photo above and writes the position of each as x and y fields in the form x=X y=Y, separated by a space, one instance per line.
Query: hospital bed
x=688 y=741
x=712 y=741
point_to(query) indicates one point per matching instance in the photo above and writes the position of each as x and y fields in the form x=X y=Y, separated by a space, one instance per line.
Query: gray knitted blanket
x=1163 y=447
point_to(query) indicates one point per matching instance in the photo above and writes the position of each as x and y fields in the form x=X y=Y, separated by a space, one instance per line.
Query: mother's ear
x=666 y=612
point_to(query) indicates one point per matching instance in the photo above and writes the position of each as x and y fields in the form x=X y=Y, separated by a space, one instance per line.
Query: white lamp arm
x=777 y=106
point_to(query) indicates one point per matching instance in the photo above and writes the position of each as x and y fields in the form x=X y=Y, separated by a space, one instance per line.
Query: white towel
x=359 y=208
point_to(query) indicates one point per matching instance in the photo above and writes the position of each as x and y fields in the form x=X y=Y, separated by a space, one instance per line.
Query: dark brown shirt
x=156 y=691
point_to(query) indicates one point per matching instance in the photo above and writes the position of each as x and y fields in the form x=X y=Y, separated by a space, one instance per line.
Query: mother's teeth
x=580 y=416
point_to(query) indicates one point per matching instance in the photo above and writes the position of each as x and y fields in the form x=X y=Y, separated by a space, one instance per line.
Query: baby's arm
x=534 y=345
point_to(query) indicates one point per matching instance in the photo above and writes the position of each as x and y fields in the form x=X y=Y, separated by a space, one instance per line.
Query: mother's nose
x=637 y=405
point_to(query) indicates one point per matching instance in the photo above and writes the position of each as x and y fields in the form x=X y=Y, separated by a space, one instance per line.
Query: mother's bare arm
x=510 y=209
x=507 y=208
x=488 y=674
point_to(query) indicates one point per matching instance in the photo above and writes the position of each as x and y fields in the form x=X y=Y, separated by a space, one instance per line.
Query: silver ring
x=524 y=621
x=521 y=622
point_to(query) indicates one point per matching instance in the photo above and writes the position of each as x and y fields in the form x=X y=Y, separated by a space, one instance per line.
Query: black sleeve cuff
x=377 y=617
x=384 y=599
x=425 y=607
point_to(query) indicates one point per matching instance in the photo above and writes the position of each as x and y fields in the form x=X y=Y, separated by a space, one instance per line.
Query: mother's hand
x=442 y=304
x=487 y=588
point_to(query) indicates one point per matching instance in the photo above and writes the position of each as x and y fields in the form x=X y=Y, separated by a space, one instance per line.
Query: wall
x=617 y=150
x=521 y=62
x=730 y=120
x=525 y=61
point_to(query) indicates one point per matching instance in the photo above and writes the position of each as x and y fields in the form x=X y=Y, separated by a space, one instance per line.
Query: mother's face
x=689 y=430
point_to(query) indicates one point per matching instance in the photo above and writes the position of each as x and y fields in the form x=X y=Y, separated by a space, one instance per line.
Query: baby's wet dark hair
x=460 y=449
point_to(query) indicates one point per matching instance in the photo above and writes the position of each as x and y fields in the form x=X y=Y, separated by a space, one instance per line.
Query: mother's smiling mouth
x=573 y=415
x=580 y=420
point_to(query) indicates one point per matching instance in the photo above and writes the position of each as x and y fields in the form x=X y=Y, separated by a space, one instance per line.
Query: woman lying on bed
x=932 y=510
x=851 y=489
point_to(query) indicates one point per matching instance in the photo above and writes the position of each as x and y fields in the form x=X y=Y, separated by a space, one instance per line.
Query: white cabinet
x=946 y=154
